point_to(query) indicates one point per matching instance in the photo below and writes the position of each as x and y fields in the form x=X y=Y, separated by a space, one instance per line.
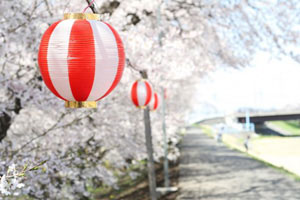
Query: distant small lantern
x=141 y=93
x=81 y=59
x=154 y=103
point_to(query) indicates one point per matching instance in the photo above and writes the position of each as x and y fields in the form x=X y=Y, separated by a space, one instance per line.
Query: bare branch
x=92 y=7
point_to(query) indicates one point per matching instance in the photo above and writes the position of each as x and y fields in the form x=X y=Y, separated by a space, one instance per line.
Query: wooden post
x=151 y=167
x=149 y=146
x=166 y=163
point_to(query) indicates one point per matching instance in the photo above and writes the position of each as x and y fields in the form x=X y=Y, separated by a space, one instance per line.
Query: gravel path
x=209 y=170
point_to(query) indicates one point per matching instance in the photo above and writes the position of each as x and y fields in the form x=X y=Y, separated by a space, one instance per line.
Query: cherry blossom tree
x=86 y=148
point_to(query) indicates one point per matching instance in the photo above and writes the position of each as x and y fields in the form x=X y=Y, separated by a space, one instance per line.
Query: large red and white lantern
x=141 y=93
x=81 y=59
x=154 y=103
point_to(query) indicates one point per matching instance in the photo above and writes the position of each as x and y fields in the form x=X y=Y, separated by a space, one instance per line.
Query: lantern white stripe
x=141 y=93
x=57 y=58
x=107 y=59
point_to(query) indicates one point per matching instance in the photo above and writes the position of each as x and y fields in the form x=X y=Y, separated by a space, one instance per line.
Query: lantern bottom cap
x=141 y=107
x=81 y=104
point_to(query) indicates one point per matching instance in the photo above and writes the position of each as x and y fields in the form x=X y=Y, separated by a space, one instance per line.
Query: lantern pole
x=149 y=146
x=148 y=136
x=166 y=163
x=167 y=187
x=151 y=167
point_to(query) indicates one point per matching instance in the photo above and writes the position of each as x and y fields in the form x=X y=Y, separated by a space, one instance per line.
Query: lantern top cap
x=142 y=79
x=90 y=16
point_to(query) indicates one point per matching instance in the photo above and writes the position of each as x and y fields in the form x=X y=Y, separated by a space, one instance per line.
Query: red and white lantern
x=154 y=103
x=141 y=93
x=81 y=59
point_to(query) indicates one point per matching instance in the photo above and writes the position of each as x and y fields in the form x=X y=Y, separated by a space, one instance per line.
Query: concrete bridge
x=259 y=118
x=256 y=118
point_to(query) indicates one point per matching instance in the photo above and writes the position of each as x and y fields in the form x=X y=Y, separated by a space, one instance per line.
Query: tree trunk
x=5 y=119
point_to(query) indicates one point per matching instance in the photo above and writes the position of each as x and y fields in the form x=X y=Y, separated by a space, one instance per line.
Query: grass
x=208 y=130
x=125 y=182
x=293 y=126
x=136 y=189
x=281 y=169
x=265 y=145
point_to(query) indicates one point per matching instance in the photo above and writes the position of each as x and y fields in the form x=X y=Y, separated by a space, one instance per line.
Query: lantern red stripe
x=149 y=93
x=121 y=62
x=141 y=93
x=134 y=95
x=81 y=60
x=43 y=61
x=81 y=64
x=155 y=101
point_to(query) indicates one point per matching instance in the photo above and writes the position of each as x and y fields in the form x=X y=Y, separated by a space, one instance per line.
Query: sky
x=268 y=84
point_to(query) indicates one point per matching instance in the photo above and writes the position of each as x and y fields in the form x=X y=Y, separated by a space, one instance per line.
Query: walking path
x=209 y=170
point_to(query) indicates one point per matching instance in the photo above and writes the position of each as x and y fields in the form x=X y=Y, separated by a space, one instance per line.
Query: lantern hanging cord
x=91 y=3
x=143 y=73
